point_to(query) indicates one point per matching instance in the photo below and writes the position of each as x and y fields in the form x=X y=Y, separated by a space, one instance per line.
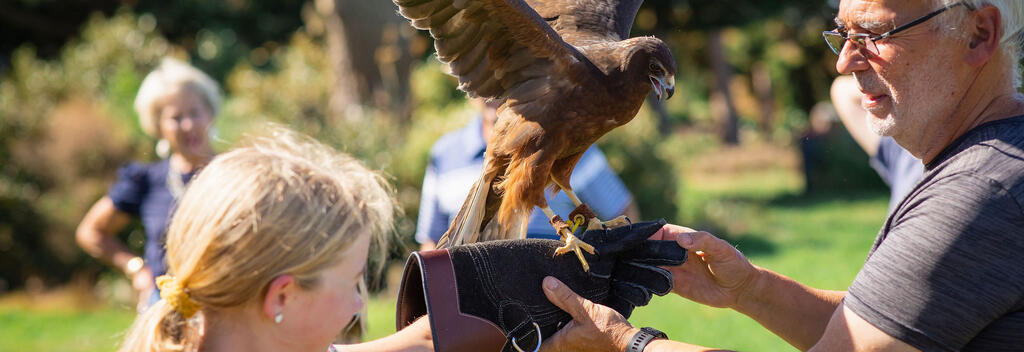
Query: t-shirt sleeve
x=431 y=223
x=598 y=186
x=950 y=265
x=129 y=189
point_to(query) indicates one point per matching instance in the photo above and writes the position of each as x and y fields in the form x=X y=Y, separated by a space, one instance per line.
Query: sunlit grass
x=62 y=328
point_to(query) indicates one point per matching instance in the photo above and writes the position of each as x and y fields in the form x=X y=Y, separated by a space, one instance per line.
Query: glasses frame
x=861 y=40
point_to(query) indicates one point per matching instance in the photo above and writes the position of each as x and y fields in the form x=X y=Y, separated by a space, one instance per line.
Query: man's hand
x=593 y=327
x=717 y=274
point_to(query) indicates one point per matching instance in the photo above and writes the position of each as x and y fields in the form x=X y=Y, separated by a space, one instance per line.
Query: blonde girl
x=265 y=252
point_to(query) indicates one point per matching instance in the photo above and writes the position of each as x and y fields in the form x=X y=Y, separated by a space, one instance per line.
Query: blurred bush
x=65 y=124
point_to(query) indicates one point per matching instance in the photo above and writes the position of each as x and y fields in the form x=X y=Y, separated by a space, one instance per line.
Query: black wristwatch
x=643 y=337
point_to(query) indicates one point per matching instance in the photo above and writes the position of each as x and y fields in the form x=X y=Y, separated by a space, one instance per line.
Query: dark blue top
x=898 y=168
x=455 y=163
x=141 y=190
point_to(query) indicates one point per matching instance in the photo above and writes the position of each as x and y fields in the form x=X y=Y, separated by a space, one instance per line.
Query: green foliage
x=65 y=125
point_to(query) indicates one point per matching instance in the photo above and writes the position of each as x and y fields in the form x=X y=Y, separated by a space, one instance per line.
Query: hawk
x=566 y=73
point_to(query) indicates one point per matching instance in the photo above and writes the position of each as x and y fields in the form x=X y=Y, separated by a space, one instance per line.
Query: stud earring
x=278 y=318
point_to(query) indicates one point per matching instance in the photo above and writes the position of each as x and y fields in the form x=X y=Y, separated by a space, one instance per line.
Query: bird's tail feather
x=515 y=229
x=465 y=228
x=513 y=215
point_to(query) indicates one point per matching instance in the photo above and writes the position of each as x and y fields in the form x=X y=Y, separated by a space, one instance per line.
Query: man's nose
x=851 y=59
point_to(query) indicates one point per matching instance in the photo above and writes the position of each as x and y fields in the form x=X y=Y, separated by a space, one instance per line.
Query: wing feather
x=584 y=22
x=452 y=27
x=491 y=88
x=471 y=60
x=411 y=3
x=485 y=42
x=423 y=10
x=515 y=61
x=449 y=50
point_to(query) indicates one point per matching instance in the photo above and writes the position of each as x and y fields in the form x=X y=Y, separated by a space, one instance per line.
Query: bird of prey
x=566 y=73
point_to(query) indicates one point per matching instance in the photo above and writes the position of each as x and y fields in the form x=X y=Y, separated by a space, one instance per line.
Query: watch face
x=657 y=333
x=134 y=265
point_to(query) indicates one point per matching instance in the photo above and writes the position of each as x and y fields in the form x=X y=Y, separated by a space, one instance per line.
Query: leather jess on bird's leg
x=488 y=297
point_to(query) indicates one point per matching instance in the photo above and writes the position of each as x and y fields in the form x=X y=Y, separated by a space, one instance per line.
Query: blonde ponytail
x=162 y=329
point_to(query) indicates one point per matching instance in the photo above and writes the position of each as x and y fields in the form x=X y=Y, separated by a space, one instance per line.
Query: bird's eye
x=654 y=68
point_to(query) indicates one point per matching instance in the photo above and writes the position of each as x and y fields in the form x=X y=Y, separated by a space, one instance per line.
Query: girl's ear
x=279 y=293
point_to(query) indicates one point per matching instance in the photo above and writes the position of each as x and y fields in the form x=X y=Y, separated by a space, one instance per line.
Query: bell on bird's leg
x=488 y=297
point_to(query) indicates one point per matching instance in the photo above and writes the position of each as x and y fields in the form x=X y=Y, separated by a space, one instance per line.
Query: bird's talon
x=617 y=222
x=574 y=244
x=587 y=247
x=583 y=261
x=562 y=250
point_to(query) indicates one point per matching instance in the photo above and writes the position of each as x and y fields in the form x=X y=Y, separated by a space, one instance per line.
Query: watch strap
x=643 y=337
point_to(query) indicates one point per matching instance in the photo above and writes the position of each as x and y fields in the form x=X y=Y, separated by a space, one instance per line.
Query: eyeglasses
x=863 y=41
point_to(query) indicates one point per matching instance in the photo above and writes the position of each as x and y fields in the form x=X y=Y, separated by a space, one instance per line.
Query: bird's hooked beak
x=664 y=86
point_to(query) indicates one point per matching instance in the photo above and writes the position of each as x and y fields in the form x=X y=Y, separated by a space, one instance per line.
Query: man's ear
x=986 y=32
x=280 y=291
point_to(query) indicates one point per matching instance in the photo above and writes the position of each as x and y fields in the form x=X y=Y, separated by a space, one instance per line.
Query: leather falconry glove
x=488 y=297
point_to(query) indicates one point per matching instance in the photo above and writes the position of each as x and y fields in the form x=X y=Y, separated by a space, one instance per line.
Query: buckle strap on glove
x=433 y=272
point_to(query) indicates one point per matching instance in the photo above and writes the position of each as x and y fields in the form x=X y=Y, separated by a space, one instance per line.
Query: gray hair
x=170 y=77
x=1013 y=26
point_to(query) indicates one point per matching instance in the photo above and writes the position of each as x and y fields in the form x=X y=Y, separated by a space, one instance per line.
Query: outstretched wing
x=585 y=22
x=497 y=48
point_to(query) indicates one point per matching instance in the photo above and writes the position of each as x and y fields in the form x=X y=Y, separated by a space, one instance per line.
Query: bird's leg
x=572 y=243
x=590 y=217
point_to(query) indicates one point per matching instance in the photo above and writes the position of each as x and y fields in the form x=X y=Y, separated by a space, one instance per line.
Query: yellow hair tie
x=175 y=295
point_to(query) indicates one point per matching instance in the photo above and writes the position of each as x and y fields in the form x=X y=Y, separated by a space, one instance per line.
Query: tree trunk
x=367 y=43
x=762 y=81
x=721 y=98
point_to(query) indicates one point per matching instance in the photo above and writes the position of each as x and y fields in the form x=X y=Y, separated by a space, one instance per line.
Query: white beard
x=882 y=127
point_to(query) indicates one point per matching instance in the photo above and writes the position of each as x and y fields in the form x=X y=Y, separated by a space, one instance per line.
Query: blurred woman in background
x=265 y=252
x=176 y=104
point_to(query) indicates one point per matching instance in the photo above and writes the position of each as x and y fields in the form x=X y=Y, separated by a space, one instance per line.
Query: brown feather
x=471 y=60
x=423 y=10
x=451 y=28
x=451 y=49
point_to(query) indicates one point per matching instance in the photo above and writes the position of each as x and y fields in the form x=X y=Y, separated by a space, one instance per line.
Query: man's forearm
x=789 y=309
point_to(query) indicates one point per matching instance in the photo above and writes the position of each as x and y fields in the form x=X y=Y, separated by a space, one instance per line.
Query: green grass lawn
x=819 y=240
x=62 y=328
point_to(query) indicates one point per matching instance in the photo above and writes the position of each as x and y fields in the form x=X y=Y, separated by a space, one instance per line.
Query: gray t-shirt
x=946 y=272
